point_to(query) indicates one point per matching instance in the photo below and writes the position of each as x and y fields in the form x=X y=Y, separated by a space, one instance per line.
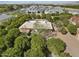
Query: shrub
x=22 y=43
x=63 y=30
x=72 y=29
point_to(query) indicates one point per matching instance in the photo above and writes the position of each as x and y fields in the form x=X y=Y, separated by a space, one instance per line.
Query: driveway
x=72 y=43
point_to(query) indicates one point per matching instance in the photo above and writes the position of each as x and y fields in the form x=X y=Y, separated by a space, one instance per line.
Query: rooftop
x=38 y=23
x=48 y=9
x=54 y=10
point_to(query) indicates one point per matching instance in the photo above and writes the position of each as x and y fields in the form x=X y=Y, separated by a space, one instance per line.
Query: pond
x=72 y=11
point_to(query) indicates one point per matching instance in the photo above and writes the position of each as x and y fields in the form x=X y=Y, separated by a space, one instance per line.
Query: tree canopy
x=64 y=54
x=72 y=29
x=34 y=53
x=56 y=45
x=37 y=41
x=22 y=43
x=1 y=43
x=10 y=37
x=12 y=52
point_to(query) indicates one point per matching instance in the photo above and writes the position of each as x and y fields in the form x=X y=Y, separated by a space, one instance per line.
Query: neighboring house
x=44 y=9
x=50 y=11
x=35 y=24
x=54 y=10
x=35 y=9
x=74 y=20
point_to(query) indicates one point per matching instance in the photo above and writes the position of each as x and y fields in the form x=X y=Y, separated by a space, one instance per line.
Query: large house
x=35 y=24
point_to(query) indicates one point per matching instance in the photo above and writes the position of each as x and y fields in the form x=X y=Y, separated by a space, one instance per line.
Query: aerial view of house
x=39 y=24
x=41 y=29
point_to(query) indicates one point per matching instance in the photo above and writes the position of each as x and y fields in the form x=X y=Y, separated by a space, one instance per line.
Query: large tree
x=55 y=45
x=56 y=18
x=22 y=43
x=48 y=17
x=3 y=32
x=18 y=21
x=72 y=28
x=10 y=37
x=37 y=52
x=2 y=45
x=37 y=47
x=37 y=41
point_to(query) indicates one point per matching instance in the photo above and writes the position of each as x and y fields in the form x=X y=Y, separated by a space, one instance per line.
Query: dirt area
x=72 y=43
